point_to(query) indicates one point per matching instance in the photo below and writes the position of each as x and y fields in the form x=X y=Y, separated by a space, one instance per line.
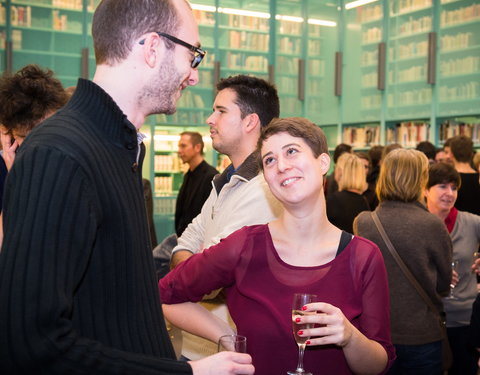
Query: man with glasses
x=78 y=291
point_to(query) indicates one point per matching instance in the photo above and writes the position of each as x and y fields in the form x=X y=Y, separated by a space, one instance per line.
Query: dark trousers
x=465 y=356
x=423 y=359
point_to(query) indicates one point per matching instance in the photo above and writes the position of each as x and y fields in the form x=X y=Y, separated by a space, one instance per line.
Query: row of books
x=69 y=4
x=170 y=162
x=408 y=50
x=243 y=39
x=414 y=26
x=461 y=15
x=463 y=91
x=409 y=97
x=414 y=73
x=458 y=41
x=407 y=6
x=369 y=13
x=408 y=134
x=450 y=129
x=364 y=136
x=372 y=35
x=163 y=185
x=466 y=65
x=164 y=206
x=243 y=61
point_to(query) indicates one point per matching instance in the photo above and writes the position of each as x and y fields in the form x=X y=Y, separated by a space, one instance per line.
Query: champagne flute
x=300 y=300
x=232 y=343
x=452 y=287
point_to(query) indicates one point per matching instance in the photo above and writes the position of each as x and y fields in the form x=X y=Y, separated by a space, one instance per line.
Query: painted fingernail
x=307 y=342
x=300 y=332
x=297 y=320
x=304 y=307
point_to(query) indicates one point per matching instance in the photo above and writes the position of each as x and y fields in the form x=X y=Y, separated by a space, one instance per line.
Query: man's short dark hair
x=254 y=95
x=195 y=138
x=375 y=153
x=443 y=173
x=28 y=96
x=339 y=150
x=428 y=149
x=461 y=147
x=117 y=24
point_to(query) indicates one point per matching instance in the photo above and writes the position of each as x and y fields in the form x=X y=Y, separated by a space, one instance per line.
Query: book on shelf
x=408 y=134
x=164 y=206
x=452 y=128
x=361 y=136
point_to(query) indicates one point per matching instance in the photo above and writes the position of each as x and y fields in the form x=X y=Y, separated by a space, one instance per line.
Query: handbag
x=447 y=358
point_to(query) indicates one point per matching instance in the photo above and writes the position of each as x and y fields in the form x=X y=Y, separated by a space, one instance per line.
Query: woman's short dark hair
x=298 y=127
x=117 y=24
x=461 y=147
x=28 y=96
x=443 y=173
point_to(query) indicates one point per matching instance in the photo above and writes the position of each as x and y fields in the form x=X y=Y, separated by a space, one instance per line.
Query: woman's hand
x=9 y=147
x=455 y=278
x=331 y=326
x=364 y=356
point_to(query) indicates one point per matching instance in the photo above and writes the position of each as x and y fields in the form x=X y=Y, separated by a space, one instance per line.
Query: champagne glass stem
x=301 y=352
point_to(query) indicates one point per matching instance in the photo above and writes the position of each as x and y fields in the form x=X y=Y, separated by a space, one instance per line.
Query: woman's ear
x=324 y=163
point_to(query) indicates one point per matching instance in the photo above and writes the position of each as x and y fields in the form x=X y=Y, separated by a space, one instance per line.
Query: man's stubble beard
x=163 y=90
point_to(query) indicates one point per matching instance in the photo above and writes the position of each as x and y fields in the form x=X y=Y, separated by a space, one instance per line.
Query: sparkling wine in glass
x=232 y=343
x=300 y=300
x=452 y=287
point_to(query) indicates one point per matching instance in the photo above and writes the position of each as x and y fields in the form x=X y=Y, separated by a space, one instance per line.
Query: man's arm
x=193 y=237
x=178 y=257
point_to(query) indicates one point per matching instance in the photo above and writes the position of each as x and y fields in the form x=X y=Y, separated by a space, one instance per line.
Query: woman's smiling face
x=291 y=169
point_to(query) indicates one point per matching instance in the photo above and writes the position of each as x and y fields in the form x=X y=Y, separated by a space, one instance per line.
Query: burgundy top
x=259 y=287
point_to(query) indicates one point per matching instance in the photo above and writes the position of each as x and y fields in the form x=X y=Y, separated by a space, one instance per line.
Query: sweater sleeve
x=50 y=222
x=204 y=272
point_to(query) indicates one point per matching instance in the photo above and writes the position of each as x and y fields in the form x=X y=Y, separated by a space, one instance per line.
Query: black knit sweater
x=78 y=293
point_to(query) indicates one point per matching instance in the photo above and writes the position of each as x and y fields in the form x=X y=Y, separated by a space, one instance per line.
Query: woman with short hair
x=464 y=227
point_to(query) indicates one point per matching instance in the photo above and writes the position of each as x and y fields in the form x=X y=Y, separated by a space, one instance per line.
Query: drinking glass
x=232 y=343
x=300 y=300
x=452 y=287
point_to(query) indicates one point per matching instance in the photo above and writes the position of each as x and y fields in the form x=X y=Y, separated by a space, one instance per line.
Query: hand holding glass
x=232 y=343
x=452 y=286
x=300 y=300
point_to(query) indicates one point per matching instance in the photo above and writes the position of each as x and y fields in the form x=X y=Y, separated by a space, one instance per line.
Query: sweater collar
x=92 y=101
x=395 y=204
x=246 y=171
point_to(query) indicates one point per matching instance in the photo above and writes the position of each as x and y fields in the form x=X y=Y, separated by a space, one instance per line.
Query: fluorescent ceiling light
x=314 y=21
x=289 y=18
x=241 y=12
x=358 y=3
x=206 y=8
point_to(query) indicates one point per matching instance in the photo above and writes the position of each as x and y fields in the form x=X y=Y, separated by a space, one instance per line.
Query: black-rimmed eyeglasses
x=199 y=53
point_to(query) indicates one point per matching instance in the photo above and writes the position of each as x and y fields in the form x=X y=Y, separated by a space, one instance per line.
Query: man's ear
x=251 y=122
x=153 y=47
x=198 y=148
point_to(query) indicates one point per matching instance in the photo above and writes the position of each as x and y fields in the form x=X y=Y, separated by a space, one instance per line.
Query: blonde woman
x=346 y=203
x=423 y=243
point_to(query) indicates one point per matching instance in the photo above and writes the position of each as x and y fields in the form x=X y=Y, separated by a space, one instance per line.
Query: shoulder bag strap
x=401 y=264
